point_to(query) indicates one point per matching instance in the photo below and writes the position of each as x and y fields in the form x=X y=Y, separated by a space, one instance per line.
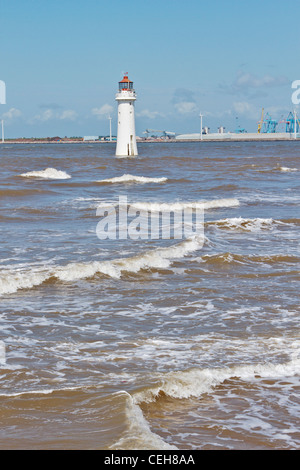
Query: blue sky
x=62 y=60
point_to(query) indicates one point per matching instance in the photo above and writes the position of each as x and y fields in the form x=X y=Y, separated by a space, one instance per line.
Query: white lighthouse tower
x=126 y=138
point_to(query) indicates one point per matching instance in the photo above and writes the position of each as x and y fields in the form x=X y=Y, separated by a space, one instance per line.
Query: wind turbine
x=109 y=117
x=201 y=116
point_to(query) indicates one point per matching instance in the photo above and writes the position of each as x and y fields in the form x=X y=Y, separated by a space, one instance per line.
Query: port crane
x=261 y=121
x=269 y=125
x=266 y=125
x=290 y=123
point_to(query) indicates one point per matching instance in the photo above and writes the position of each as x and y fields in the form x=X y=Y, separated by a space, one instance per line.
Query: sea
x=150 y=341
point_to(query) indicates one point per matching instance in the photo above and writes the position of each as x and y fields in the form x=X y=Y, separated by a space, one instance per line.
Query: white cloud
x=12 y=113
x=241 y=107
x=45 y=115
x=248 y=80
x=184 y=101
x=246 y=109
x=48 y=114
x=252 y=85
x=185 y=107
x=68 y=114
x=103 y=112
x=149 y=114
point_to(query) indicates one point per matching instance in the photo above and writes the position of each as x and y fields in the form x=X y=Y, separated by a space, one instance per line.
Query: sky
x=61 y=62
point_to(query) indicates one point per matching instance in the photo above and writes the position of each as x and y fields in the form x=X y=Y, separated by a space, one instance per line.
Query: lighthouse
x=126 y=139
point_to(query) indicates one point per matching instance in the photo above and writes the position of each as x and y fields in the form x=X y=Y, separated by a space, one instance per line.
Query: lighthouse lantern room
x=126 y=138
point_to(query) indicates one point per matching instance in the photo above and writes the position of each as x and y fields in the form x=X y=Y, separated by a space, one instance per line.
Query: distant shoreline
x=226 y=137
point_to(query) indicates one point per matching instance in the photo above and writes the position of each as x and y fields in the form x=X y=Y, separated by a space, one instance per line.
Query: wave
x=291 y=221
x=233 y=258
x=48 y=173
x=225 y=187
x=224 y=259
x=187 y=384
x=12 y=280
x=244 y=224
x=132 y=179
x=49 y=391
x=178 y=206
x=275 y=169
x=286 y=169
x=196 y=382
x=138 y=435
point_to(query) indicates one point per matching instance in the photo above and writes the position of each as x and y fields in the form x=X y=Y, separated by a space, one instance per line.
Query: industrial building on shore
x=266 y=131
x=231 y=136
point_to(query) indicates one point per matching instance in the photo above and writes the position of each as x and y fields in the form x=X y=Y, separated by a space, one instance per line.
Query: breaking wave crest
x=286 y=169
x=187 y=384
x=48 y=173
x=132 y=179
x=11 y=280
x=178 y=206
x=138 y=434
x=196 y=382
x=249 y=225
x=232 y=258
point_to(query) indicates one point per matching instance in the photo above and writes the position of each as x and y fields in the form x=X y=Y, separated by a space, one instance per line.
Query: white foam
x=240 y=223
x=13 y=279
x=178 y=206
x=187 y=384
x=286 y=169
x=195 y=382
x=2 y=353
x=48 y=173
x=157 y=258
x=138 y=434
x=39 y=392
x=132 y=179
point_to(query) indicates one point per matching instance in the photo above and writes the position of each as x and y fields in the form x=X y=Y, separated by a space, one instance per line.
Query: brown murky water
x=140 y=343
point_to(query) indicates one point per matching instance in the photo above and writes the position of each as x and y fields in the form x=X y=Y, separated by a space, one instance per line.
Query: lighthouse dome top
x=125 y=84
